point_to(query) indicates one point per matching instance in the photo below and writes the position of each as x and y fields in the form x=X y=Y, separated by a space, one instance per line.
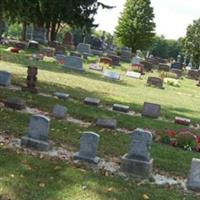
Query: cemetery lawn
x=26 y=177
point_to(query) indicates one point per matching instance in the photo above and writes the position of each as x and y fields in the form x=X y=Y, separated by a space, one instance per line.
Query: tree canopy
x=136 y=26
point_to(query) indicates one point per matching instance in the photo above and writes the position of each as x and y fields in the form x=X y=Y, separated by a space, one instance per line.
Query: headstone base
x=137 y=168
x=78 y=156
x=35 y=144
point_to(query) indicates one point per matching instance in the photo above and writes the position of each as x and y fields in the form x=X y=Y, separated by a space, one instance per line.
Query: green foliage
x=192 y=41
x=136 y=26
x=166 y=48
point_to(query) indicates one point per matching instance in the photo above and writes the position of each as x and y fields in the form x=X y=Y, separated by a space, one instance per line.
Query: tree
x=136 y=27
x=51 y=14
x=192 y=41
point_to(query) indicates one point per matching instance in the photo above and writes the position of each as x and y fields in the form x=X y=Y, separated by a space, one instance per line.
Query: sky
x=171 y=16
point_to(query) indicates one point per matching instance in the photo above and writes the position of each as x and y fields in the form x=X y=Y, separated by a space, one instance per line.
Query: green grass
x=28 y=178
x=68 y=181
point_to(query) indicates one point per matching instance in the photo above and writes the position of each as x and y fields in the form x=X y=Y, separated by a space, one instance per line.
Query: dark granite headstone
x=15 y=103
x=163 y=67
x=151 y=110
x=194 y=74
x=156 y=82
x=115 y=60
x=120 y=108
x=92 y=101
x=107 y=123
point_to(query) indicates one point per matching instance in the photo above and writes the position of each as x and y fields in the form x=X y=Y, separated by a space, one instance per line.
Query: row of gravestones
x=149 y=109
x=136 y=163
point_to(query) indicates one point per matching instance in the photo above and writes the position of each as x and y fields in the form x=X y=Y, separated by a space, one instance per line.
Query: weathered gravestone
x=40 y=35
x=61 y=95
x=151 y=110
x=115 y=60
x=92 y=101
x=48 y=51
x=69 y=40
x=138 y=162
x=88 y=147
x=37 y=136
x=193 y=181
x=5 y=78
x=32 y=44
x=135 y=75
x=107 y=123
x=178 y=72
x=60 y=50
x=120 y=108
x=59 y=111
x=84 y=48
x=126 y=54
x=156 y=82
x=163 y=67
x=112 y=75
x=73 y=62
x=182 y=121
x=15 y=103
x=194 y=74
x=147 y=66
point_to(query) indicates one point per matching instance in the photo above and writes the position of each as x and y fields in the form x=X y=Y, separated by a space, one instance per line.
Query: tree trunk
x=24 y=32
x=53 y=31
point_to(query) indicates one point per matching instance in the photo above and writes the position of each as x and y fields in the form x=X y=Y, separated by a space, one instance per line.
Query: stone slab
x=182 y=121
x=120 y=108
x=5 y=78
x=193 y=180
x=96 y=67
x=92 y=101
x=112 y=75
x=151 y=110
x=135 y=75
x=107 y=123
x=61 y=95
x=137 y=168
x=15 y=103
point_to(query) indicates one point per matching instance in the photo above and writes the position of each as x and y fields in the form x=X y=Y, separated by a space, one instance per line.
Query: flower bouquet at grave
x=169 y=138
x=198 y=143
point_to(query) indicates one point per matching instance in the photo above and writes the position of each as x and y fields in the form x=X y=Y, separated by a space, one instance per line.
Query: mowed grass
x=42 y=181
x=25 y=177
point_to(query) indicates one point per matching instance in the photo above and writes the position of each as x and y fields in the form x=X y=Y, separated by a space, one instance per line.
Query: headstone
x=147 y=66
x=68 y=40
x=92 y=101
x=61 y=95
x=5 y=78
x=163 y=67
x=126 y=55
x=15 y=103
x=40 y=35
x=60 y=58
x=37 y=136
x=84 y=48
x=135 y=75
x=106 y=60
x=48 y=51
x=88 y=147
x=96 y=52
x=33 y=44
x=112 y=75
x=178 y=72
x=115 y=60
x=182 y=121
x=60 y=50
x=107 y=123
x=137 y=162
x=73 y=62
x=59 y=111
x=154 y=81
x=31 y=79
x=151 y=110
x=177 y=64
x=96 y=67
x=194 y=74
x=193 y=181
x=120 y=108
